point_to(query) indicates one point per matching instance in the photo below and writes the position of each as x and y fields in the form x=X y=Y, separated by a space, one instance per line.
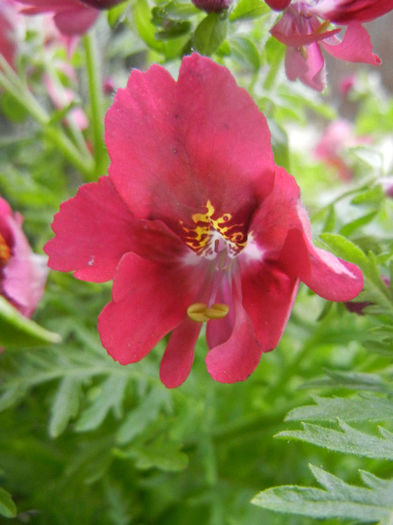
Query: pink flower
x=195 y=223
x=278 y=5
x=71 y=17
x=345 y=11
x=336 y=138
x=8 y=45
x=22 y=274
x=212 y=6
x=305 y=36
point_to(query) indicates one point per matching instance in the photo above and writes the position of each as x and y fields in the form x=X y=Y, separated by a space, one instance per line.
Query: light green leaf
x=249 y=9
x=210 y=33
x=337 y=500
x=18 y=331
x=159 y=454
x=109 y=398
x=245 y=51
x=146 y=30
x=65 y=406
x=354 y=225
x=360 y=408
x=344 y=248
x=349 y=441
x=7 y=505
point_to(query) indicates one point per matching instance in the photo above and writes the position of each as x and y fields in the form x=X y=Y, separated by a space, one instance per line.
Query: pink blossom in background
x=346 y=11
x=337 y=137
x=278 y=5
x=347 y=84
x=8 y=24
x=22 y=273
x=72 y=17
x=212 y=6
x=195 y=223
x=306 y=36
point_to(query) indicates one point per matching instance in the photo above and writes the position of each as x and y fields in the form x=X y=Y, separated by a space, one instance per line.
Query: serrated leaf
x=350 y=380
x=7 y=505
x=139 y=418
x=249 y=9
x=159 y=454
x=18 y=331
x=110 y=398
x=65 y=406
x=344 y=248
x=209 y=34
x=339 y=500
x=349 y=441
x=360 y=408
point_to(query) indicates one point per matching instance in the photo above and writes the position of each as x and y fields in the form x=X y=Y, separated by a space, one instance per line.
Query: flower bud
x=278 y=5
x=212 y=6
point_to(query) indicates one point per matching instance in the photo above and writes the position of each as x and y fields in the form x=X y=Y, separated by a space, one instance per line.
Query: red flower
x=72 y=17
x=22 y=274
x=195 y=223
x=305 y=36
x=345 y=11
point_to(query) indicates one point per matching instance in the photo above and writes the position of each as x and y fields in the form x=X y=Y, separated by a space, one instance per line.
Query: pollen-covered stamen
x=210 y=230
x=5 y=252
x=200 y=312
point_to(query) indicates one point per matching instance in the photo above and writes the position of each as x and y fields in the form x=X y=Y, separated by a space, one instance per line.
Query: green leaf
x=349 y=441
x=117 y=13
x=18 y=331
x=145 y=28
x=159 y=454
x=354 y=225
x=139 y=418
x=209 y=34
x=337 y=500
x=344 y=248
x=249 y=9
x=359 y=408
x=7 y=505
x=245 y=51
x=279 y=144
x=370 y=196
x=65 y=406
x=109 y=398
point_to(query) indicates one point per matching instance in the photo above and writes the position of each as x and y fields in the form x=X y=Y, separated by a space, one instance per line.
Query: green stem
x=10 y=81
x=96 y=101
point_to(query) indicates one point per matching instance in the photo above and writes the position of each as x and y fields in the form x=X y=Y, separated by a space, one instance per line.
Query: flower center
x=211 y=230
x=5 y=252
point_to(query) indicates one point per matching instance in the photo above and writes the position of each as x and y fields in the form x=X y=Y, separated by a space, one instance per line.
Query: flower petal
x=268 y=297
x=345 y=11
x=310 y=69
x=148 y=301
x=235 y=359
x=174 y=146
x=355 y=47
x=95 y=228
x=76 y=21
x=177 y=360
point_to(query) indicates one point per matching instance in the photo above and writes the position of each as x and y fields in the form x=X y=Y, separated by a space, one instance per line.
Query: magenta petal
x=92 y=233
x=235 y=359
x=77 y=21
x=355 y=47
x=309 y=69
x=177 y=360
x=345 y=11
x=219 y=330
x=268 y=297
x=174 y=146
x=148 y=301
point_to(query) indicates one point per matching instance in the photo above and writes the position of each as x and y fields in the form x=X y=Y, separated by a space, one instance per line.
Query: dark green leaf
x=210 y=33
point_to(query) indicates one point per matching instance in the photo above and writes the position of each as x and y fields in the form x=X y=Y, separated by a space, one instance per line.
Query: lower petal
x=235 y=359
x=179 y=354
x=149 y=300
x=268 y=297
x=355 y=47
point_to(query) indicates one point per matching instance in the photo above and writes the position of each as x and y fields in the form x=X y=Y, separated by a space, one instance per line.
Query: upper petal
x=174 y=146
x=345 y=11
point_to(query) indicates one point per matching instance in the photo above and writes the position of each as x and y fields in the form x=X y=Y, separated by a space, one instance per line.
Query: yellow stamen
x=199 y=312
x=5 y=252
x=217 y=311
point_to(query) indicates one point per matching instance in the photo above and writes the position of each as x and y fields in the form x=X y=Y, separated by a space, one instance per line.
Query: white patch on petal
x=91 y=261
x=191 y=258
x=252 y=251
x=303 y=216
x=334 y=264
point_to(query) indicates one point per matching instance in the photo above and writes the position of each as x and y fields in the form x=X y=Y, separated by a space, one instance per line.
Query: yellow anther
x=5 y=252
x=200 y=312
x=217 y=311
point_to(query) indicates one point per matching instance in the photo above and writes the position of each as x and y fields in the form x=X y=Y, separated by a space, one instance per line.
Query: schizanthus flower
x=72 y=17
x=22 y=274
x=8 y=23
x=304 y=29
x=195 y=223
